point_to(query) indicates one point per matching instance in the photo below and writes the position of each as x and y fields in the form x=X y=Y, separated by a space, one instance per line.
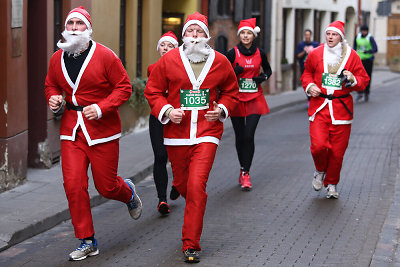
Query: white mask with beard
x=75 y=42
x=196 y=49
x=334 y=54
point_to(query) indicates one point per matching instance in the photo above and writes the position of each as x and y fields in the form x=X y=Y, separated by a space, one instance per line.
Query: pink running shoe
x=241 y=178
x=246 y=184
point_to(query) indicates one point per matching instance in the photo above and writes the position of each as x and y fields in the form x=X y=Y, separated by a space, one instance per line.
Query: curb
x=47 y=223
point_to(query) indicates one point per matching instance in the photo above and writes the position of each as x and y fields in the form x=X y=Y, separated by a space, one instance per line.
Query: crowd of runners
x=192 y=89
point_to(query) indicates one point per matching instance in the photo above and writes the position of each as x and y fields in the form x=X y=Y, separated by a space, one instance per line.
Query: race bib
x=331 y=81
x=195 y=99
x=247 y=85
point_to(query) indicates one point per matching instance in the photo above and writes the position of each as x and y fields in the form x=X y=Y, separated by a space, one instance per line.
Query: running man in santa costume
x=202 y=91
x=167 y=42
x=331 y=106
x=247 y=59
x=90 y=80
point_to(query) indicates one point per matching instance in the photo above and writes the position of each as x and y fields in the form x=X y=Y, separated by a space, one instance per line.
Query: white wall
x=378 y=29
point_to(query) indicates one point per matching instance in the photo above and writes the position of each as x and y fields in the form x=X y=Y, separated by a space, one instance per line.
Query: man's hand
x=314 y=91
x=176 y=115
x=349 y=76
x=55 y=101
x=90 y=112
x=213 y=115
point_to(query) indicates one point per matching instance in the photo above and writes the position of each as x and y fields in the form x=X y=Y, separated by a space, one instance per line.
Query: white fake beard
x=334 y=54
x=75 y=42
x=196 y=49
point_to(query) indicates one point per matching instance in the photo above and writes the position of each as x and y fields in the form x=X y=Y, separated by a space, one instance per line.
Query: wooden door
x=393 y=33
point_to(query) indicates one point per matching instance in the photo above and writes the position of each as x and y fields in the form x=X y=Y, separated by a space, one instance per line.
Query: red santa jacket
x=103 y=81
x=315 y=66
x=173 y=73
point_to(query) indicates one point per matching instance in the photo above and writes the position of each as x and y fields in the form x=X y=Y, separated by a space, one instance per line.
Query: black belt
x=331 y=97
x=73 y=107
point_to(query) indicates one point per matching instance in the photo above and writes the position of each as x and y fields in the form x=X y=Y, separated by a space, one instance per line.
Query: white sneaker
x=332 y=193
x=318 y=179
x=86 y=249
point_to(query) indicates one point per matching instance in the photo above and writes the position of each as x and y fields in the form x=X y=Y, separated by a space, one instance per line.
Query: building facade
x=30 y=30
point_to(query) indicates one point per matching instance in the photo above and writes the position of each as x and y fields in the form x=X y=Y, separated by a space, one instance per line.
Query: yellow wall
x=151 y=32
x=105 y=17
x=131 y=38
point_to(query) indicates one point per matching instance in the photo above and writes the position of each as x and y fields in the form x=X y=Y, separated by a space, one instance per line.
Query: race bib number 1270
x=247 y=85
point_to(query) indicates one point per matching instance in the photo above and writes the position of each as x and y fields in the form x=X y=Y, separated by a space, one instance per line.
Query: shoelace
x=132 y=204
x=83 y=246
x=331 y=188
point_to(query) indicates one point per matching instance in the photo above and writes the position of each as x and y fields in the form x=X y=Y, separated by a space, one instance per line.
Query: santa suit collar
x=75 y=85
x=80 y=122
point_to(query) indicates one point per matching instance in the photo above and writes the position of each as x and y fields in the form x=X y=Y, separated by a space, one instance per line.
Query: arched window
x=221 y=44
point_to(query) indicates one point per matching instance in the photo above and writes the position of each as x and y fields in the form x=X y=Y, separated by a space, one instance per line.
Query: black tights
x=245 y=128
x=160 y=174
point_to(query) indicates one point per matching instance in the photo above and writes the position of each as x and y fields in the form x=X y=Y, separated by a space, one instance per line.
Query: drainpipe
x=278 y=44
x=359 y=16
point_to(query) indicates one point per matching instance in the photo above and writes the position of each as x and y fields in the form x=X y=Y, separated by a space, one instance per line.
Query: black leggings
x=368 y=66
x=245 y=128
x=160 y=157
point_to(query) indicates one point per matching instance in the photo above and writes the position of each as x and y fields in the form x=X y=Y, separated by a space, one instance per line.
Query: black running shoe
x=174 y=193
x=191 y=256
x=163 y=208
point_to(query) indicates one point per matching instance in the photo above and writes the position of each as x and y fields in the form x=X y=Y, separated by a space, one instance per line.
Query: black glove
x=260 y=79
x=343 y=79
x=238 y=69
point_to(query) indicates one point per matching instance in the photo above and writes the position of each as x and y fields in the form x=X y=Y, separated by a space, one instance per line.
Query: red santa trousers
x=328 y=145
x=76 y=156
x=191 y=166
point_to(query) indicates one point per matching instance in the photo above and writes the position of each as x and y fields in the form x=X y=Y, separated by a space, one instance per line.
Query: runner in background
x=331 y=72
x=247 y=59
x=167 y=42
x=302 y=51
x=366 y=47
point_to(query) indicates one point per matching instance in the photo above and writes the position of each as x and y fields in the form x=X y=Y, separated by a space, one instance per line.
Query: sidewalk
x=40 y=203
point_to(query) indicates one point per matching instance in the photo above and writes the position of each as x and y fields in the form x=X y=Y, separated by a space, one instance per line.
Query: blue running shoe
x=86 y=249
x=135 y=204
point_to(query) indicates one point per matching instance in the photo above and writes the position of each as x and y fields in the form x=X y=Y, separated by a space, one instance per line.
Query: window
x=122 y=30
x=58 y=25
x=221 y=44
x=223 y=8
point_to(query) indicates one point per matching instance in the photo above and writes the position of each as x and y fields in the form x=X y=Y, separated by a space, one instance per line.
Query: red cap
x=168 y=37
x=248 y=24
x=336 y=26
x=198 y=19
x=80 y=13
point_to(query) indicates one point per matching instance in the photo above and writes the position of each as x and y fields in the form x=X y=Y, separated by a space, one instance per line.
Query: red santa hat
x=168 y=37
x=248 y=24
x=80 y=13
x=336 y=26
x=198 y=19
